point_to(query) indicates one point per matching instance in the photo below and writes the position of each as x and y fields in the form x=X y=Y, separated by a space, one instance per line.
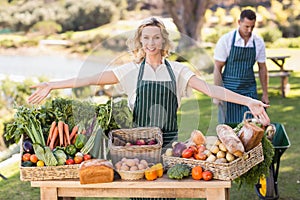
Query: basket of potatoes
x=131 y=168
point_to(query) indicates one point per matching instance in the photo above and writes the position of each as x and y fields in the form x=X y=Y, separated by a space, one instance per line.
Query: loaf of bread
x=250 y=135
x=96 y=171
x=231 y=141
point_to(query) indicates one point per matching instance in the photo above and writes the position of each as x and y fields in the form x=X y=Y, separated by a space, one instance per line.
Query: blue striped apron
x=238 y=76
x=156 y=105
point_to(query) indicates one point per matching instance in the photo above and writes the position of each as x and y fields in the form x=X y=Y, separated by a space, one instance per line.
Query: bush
x=286 y=43
x=46 y=27
x=270 y=35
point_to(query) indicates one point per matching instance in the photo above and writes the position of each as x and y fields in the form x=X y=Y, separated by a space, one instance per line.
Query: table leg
x=48 y=193
x=217 y=194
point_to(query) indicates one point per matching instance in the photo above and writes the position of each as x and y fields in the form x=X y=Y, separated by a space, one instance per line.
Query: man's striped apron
x=156 y=105
x=238 y=76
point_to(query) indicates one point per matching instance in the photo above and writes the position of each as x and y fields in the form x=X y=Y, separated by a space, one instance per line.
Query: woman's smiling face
x=152 y=40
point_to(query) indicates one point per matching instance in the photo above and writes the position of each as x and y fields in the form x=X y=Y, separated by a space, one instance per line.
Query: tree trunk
x=188 y=16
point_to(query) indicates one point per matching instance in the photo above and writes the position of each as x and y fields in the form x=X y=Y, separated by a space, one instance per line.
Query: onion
x=178 y=148
x=197 y=137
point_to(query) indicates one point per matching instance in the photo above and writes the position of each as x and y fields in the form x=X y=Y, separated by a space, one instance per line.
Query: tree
x=189 y=17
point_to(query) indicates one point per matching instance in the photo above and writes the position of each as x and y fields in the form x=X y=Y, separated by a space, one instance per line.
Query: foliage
x=46 y=27
x=70 y=15
x=270 y=35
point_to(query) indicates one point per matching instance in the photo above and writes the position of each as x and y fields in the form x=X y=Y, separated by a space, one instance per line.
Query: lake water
x=19 y=67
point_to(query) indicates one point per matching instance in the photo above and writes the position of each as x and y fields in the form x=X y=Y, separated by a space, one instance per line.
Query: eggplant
x=178 y=148
x=27 y=147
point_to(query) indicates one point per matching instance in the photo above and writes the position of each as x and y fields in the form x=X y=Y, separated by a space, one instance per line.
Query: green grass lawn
x=199 y=113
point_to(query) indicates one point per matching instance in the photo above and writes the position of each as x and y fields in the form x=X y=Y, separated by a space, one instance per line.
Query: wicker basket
x=223 y=171
x=48 y=172
x=150 y=153
x=131 y=175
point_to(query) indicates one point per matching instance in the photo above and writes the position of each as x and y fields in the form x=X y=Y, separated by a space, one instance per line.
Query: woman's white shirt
x=127 y=75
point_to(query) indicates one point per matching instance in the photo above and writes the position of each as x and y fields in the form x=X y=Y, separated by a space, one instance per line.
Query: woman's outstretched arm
x=256 y=107
x=43 y=89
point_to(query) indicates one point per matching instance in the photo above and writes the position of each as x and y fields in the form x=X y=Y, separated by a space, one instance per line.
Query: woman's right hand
x=43 y=89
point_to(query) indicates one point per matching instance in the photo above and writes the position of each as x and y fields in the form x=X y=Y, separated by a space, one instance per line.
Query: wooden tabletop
x=161 y=187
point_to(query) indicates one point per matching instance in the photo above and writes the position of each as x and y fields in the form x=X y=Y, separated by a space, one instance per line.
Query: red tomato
x=201 y=148
x=87 y=156
x=70 y=161
x=200 y=156
x=26 y=157
x=187 y=153
x=194 y=148
x=197 y=173
x=33 y=158
x=207 y=175
x=78 y=159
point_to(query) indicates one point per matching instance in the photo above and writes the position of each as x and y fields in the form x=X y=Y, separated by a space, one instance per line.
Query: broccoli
x=179 y=171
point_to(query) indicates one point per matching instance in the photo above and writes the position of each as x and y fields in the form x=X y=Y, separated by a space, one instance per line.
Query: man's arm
x=218 y=77
x=264 y=81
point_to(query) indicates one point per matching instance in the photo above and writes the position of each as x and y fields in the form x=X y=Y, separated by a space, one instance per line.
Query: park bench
x=284 y=82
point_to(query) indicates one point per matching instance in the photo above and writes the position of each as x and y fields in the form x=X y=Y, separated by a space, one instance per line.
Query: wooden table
x=162 y=187
x=279 y=61
x=282 y=73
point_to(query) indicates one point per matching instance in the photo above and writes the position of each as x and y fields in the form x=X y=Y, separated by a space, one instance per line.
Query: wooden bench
x=162 y=187
x=284 y=76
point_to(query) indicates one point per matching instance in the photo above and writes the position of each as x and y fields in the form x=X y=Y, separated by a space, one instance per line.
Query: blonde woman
x=154 y=86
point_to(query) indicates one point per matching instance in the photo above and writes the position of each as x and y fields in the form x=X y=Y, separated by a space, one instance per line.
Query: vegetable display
x=56 y=131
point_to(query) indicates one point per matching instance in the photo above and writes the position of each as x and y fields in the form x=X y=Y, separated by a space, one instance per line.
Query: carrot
x=52 y=127
x=74 y=139
x=53 y=139
x=60 y=126
x=67 y=133
x=73 y=133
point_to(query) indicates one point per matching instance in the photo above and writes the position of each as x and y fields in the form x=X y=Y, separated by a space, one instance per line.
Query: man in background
x=237 y=52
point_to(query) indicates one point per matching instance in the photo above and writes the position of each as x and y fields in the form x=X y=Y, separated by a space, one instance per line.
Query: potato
x=211 y=158
x=133 y=168
x=207 y=152
x=214 y=149
x=221 y=154
x=130 y=162
x=229 y=157
x=169 y=152
x=125 y=168
x=144 y=162
x=141 y=166
x=222 y=147
x=118 y=165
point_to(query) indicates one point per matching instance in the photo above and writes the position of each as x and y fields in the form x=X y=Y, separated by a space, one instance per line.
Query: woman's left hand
x=258 y=110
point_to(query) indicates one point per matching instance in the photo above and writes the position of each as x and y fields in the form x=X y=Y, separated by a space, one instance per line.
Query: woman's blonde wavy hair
x=135 y=46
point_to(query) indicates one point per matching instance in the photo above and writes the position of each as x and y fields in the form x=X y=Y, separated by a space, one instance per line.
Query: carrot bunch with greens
x=60 y=135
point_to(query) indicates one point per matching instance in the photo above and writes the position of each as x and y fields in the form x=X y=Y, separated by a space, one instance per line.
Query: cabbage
x=60 y=156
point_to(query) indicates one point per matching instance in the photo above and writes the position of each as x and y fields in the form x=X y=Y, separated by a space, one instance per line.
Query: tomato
x=70 y=161
x=26 y=157
x=207 y=175
x=151 y=174
x=200 y=156
x=197 y=173
x=201 y=148
x=187 y=153
x=194 y=148
x=78 y=159
x=33 y=158
x=40 y=163
x=87 y=156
